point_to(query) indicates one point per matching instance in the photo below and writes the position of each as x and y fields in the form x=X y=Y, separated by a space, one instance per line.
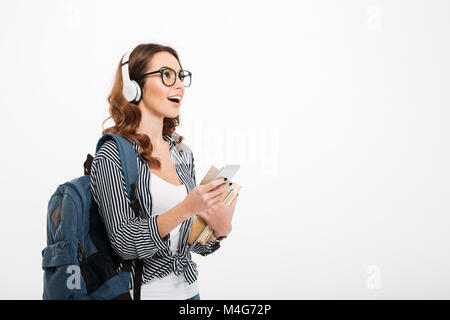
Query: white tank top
x=172 y=287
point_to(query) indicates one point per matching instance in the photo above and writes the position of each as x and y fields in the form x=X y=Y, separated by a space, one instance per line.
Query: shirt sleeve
x=210 y=246
x=206 y=249
x=130 y=236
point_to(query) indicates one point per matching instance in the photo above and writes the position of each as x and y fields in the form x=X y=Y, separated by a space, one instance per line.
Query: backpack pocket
x=56 y=263
x=96 y=269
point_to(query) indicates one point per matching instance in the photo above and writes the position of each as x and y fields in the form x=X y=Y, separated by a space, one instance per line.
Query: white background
x=337 y=111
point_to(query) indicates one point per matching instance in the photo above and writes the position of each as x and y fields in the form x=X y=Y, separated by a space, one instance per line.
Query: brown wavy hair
x=126 y=115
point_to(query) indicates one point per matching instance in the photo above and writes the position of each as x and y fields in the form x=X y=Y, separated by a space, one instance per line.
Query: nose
x=178 y=83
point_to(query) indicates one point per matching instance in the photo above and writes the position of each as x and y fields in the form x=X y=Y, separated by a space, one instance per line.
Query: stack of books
x=200 y=232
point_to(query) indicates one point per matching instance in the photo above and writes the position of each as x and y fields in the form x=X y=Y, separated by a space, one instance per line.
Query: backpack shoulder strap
x=128 y=159
x=129 y=164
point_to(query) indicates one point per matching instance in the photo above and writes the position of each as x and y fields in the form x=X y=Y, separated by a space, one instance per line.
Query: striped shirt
x=133 y=237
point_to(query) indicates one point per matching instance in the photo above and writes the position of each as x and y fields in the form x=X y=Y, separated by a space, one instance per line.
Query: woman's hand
x=219 y=216
x=205 y=196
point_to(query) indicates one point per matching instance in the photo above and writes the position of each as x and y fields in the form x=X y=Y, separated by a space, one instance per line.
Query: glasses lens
x=186 y=77
x=168 y=77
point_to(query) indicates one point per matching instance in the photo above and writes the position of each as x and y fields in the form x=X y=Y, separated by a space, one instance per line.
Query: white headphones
x=131 y=89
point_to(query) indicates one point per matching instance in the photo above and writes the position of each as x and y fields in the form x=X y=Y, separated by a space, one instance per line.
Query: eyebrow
x=169 y=67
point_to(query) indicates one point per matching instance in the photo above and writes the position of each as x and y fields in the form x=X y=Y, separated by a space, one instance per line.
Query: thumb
x=202 y=214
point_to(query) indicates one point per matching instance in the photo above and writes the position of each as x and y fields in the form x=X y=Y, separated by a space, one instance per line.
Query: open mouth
x=175 y=100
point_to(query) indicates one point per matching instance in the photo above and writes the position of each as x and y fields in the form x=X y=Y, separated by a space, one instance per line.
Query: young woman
x=166 y=187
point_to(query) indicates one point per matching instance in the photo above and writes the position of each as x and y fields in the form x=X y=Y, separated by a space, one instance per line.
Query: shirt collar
x=171 y=140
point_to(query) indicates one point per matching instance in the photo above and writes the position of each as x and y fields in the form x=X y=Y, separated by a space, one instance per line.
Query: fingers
x=221 y=189
x=202 y=214
x=213 y=184
x=216 y=199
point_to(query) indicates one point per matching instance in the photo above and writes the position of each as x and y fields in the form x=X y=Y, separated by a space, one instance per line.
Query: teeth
x=177 y=98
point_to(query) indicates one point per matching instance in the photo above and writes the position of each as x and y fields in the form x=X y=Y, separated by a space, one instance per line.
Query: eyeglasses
x=169 y=76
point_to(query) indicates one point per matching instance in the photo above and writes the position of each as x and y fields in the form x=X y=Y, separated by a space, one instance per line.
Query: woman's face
x=156 y=93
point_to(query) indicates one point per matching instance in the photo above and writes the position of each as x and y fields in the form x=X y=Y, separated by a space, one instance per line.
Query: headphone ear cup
x=129 y=91
x=138 y=95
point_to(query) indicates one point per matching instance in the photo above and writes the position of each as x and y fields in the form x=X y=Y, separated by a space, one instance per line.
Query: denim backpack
x=79 y=262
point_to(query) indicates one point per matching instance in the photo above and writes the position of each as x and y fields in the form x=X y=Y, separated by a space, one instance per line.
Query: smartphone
x=228 y=171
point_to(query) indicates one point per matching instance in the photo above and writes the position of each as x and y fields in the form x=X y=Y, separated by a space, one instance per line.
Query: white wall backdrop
x=337 y=112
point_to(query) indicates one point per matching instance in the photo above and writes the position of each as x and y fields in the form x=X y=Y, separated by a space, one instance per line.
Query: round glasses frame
x=180 y=76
